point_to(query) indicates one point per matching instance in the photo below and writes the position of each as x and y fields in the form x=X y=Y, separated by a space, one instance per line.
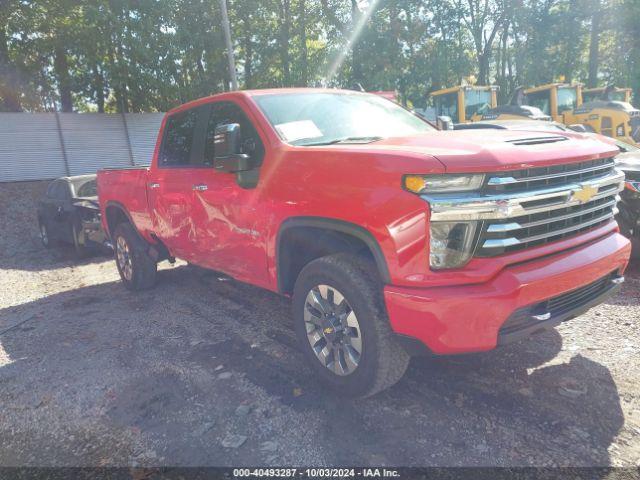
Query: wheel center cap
x=331 y=328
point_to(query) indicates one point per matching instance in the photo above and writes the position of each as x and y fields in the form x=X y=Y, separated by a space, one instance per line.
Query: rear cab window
x=177 y=142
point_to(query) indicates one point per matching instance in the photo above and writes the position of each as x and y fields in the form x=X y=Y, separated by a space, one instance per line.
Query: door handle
x=200 y=187
x=154 y=185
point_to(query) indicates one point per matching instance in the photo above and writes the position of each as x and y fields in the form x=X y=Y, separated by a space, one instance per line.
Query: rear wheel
x=342 y=325
x=136 y=267
x=44 y=234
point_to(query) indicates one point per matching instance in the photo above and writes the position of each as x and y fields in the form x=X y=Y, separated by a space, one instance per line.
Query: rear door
x=171 y=182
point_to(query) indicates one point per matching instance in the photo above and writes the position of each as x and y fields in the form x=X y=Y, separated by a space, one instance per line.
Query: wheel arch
x=116 y=213
x=328 y=235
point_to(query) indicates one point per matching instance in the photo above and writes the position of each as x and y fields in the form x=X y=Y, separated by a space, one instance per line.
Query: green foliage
x=151 y=55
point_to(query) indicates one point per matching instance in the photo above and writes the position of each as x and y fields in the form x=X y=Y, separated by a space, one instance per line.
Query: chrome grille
x=537 y=229
x=522 y=209
x=541 y=177
x=545 y=219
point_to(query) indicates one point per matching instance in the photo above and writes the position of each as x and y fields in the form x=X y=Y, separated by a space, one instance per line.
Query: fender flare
x=122 y=208
x=336 y=225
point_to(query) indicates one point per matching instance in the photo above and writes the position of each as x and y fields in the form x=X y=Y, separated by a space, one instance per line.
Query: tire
x=80 y=249
x=628 y=231
x=381 y=361
x=136 y=267
x=45 y=237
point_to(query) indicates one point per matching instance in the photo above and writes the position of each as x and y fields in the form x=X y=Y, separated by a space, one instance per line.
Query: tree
x=148 y=55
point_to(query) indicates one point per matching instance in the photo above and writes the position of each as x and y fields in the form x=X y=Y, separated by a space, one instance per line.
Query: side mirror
x=444 y=123
x=227 y=150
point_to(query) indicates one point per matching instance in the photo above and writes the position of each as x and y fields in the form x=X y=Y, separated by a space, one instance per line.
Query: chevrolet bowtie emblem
x=328 y=330
x=583 y=195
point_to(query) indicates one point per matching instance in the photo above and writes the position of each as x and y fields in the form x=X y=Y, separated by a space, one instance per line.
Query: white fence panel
x=94 y=141
x=143 y=130
x=34 y=146
x=30 y=147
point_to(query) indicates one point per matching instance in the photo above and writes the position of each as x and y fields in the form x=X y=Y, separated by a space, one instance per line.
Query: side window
x=606 y=126
x=178 y=139
x=224 y=113
x=51 y=190
x=64 y=192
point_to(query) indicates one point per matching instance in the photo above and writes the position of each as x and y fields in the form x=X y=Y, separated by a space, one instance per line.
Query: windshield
x=476 y=101
x=620 y=96
x=539 y=100
x=321 y=118
x=447 y=105
x=85 y=188
x=567 y=99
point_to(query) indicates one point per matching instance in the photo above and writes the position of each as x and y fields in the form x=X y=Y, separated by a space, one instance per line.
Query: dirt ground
x=203 y=370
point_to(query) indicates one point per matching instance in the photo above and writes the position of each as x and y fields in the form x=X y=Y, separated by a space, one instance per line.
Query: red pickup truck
x=392 y=238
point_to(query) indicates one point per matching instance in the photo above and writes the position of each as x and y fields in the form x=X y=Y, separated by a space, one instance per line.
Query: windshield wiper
x=368 y=139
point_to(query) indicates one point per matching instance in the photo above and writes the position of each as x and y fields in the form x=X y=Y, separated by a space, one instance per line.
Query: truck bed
x=126 y=186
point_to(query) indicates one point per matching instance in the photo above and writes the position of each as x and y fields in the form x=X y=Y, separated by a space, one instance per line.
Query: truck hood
x=494 y=150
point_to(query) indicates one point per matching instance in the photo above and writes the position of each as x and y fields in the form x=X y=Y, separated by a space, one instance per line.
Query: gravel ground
x=203 y=370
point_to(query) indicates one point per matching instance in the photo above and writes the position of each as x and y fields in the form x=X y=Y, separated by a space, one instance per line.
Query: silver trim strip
x=500 y=242
x=508 y=227
x=506 y=242
x=537 y=140
x=509 y=180
x=475 y=206
x=503 y=227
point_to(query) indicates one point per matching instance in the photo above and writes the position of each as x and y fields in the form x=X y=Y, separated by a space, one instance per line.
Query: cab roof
x=261 y=92
x=444 y=91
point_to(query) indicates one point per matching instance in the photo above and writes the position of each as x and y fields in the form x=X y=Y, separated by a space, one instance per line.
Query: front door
x=59 y=210
x=229 y=228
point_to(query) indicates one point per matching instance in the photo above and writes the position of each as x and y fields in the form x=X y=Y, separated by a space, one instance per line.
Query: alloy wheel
x=333 y=330
x=44 y=235
x=123 y=256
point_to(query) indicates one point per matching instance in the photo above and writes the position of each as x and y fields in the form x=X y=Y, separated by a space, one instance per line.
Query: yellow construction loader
x=563 y=103
x=464 y=103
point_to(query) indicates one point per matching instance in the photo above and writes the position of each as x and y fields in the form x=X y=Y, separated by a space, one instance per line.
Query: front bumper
x=469 y=318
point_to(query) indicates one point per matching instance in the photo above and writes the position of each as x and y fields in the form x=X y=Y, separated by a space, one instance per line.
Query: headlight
x=442 y=183
x=451 y=244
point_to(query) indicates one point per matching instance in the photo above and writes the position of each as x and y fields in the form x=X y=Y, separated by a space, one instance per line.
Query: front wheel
x=79 y=247
x=136 y=267
x=342 y=325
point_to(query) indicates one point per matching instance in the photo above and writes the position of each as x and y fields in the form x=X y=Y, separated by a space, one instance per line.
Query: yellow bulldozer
x=563 y=103
x=464 y=103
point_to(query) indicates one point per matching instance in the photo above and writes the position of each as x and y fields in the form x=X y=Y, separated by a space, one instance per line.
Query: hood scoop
x=537 y=140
